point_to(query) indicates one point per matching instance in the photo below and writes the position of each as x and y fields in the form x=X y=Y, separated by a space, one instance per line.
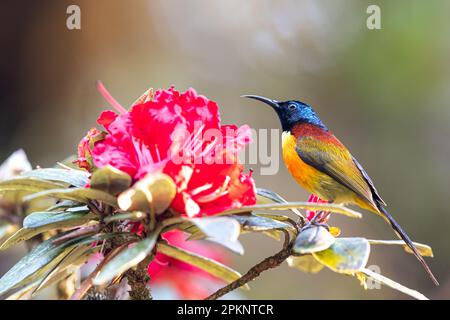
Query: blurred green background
x=385 y=93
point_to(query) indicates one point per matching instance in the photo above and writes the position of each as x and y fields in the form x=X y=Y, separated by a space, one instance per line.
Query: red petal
x=106 y=118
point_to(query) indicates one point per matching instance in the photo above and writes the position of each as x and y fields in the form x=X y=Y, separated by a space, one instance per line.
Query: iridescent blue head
x=291 y=112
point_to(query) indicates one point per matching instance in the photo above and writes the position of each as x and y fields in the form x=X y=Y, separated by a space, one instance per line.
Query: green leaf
x=423 y=249
x=64 y=204
x=45 y=254
x=277 y=217
x=300 y=205
x=83 y=195
x=346 y=255
x=110 y=179
x=26 y=291
x=41 y=259
x=76 y=256
x=126 y=259
x=306 y=263
x=265 y=196
x=57 y=219
x=221 y=230
x=131 y=216
x=67 y=220
x=82 y=231
x=212 y=267
x=253 y=222
x=27 y=184
x=54 y=266
x=394 y=285
x=73 y=260
x=19 y=236
x=272 y=226
x=313 y=239
x=76 y=178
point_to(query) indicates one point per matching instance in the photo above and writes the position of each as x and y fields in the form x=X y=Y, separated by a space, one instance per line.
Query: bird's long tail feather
x=402 y=234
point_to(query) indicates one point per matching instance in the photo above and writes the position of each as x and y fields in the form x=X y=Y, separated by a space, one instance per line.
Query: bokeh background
x=384 y=92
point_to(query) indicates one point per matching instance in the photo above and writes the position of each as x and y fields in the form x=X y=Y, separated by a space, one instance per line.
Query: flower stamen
x=108 y=97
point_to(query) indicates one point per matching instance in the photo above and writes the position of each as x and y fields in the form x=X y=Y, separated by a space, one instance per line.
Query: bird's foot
x=319 y=220
x=312 y=224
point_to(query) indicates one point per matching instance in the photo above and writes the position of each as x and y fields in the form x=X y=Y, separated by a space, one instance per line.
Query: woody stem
x=254 y=272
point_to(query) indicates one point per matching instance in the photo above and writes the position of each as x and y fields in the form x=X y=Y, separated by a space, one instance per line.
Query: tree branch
x=266 y=264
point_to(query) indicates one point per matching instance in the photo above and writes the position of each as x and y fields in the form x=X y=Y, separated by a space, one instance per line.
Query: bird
x=323 y=166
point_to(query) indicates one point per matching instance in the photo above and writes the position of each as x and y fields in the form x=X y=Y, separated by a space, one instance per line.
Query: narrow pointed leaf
x=253 y=222
x=64 y=204
x=265 y=196
x=76 y=194
x=58 y=219
x=212 y=267
x=41 y=259
x=83 y=231
x=299 y=205
x=87 y=283
x=19 y=236
x=126 y=259
x=45 y=254
x=423 y=249
x=27 y=184
x=394 y=285
x=76 y=178
x=277 y=217
x=25 y=291
x=66 y=220
x=52 y=269
x=74 y=257
x=131 y=216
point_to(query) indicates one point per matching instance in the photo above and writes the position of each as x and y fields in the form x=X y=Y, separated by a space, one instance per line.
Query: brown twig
x=138 y=279
x=266 y=264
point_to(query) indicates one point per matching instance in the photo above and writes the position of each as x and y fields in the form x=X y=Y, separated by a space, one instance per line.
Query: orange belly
x=303 y=173
x=311 y=179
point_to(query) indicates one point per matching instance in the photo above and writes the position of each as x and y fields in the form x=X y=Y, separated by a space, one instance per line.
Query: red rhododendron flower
x=180 y=135
x=188 y=281
x=323 y=215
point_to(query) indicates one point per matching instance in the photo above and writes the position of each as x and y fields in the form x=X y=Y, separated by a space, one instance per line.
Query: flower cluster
x=179 y=134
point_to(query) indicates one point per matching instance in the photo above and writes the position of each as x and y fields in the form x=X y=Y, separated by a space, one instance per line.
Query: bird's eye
x=292 y=106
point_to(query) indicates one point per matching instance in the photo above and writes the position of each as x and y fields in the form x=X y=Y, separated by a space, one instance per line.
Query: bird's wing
x=331 y=157
x=375 y=193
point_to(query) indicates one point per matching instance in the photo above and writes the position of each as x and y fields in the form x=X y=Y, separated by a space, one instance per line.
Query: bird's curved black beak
x=273 y=103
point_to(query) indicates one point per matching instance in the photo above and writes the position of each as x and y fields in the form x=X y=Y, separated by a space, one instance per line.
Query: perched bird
x=323 y=166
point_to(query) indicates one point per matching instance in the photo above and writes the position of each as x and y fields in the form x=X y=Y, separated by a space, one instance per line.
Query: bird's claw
x=312 y=224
